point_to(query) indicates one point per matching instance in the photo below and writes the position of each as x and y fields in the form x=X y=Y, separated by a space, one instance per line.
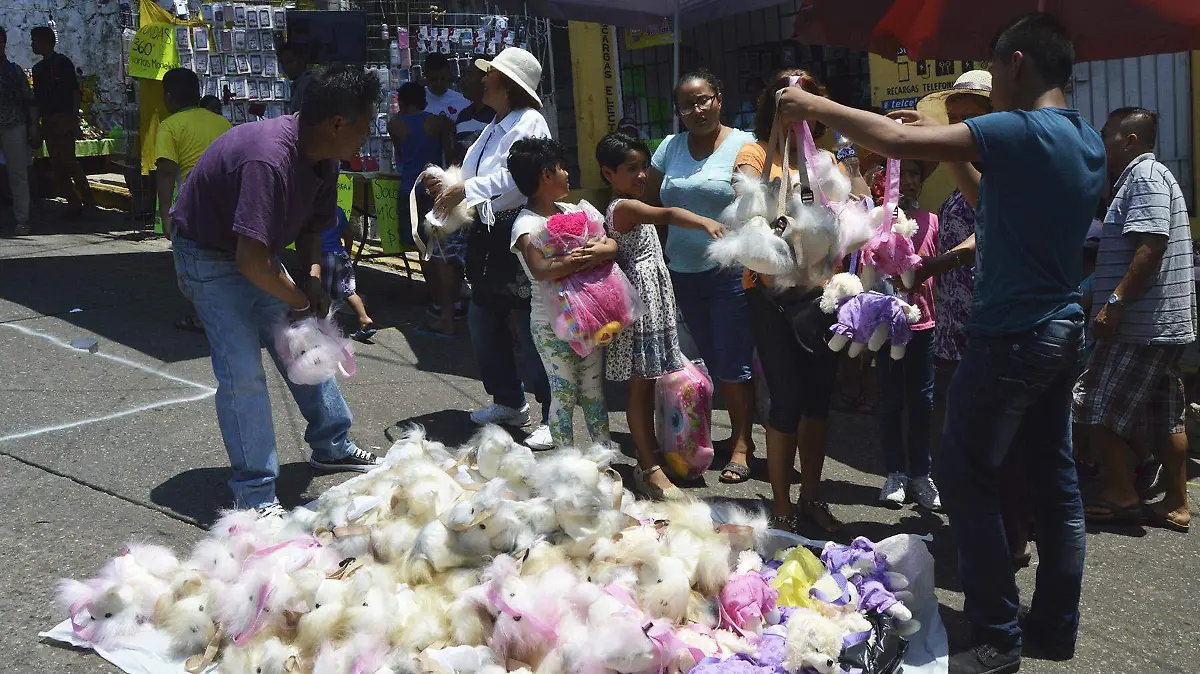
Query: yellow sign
x=642 y=39
x=899 y=84
x=345 y=194
x=153 y=51
x=386 y=193
x=597 y=101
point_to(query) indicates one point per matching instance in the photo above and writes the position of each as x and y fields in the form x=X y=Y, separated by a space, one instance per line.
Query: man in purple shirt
x=257 y=189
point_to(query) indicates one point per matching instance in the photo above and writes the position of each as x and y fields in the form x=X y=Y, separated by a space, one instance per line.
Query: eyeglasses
x=699 y=104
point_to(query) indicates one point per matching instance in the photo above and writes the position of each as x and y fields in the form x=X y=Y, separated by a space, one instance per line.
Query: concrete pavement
x=98 y=449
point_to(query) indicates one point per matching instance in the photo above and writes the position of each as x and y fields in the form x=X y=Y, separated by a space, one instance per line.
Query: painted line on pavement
x=205 y=390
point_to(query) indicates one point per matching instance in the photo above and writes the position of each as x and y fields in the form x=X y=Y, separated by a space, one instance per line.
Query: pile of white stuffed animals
x=483 y=560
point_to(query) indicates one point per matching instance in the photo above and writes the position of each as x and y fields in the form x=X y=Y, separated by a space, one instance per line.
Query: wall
x=89 y=33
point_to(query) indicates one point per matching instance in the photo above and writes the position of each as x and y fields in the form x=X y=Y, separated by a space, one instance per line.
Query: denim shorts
x=713 y=305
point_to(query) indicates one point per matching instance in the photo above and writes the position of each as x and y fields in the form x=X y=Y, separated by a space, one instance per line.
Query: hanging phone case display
x=234 y=55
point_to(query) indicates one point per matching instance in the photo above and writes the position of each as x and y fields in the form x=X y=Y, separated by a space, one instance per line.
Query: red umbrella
x=963 y=29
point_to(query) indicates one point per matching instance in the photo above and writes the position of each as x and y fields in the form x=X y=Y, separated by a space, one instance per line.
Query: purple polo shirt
x=253 y=181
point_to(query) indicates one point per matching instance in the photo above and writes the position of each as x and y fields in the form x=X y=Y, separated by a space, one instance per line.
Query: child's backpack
x=684 y=411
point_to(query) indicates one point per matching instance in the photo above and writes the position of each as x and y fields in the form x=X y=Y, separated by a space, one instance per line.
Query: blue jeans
x=714 y=307
x=239 y=319
x=1013 y=393
x=492 y=339
x=906 y=383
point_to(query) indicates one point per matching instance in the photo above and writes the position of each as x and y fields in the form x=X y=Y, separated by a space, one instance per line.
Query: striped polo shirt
x=1148 y=201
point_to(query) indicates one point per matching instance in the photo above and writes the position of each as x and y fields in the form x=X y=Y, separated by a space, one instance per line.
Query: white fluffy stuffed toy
x=814 y=641
x=461 y=216
x=751 y=242
x=314 y=350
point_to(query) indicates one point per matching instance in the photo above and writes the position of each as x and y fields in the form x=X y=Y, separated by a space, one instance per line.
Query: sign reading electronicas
x=153 y=51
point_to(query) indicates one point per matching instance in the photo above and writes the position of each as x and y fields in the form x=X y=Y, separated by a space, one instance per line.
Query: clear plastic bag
x=588 y=308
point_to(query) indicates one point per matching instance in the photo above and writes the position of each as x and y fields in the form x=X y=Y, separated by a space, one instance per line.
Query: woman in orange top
x=800 y=381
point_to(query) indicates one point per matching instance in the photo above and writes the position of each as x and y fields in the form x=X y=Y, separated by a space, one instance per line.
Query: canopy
x=640 y=14
x=963 y=29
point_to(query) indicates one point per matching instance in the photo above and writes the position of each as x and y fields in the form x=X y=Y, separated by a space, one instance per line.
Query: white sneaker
x=540 y=438
x=501 y=415
x=925 y=493
x=895 y=489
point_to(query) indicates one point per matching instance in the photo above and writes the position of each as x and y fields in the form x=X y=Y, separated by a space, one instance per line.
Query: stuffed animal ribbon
x=800 y=569
x=889 y=252
x=550 y=632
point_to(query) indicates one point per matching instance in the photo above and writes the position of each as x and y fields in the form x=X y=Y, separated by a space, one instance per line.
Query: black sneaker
x=358 y=460
x=986 y=659
x=1038 y=642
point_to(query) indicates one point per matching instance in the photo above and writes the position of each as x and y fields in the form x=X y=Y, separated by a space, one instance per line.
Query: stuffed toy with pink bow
x=314 y=350
x=866 y=320
x=890 y=251
x=587 y=308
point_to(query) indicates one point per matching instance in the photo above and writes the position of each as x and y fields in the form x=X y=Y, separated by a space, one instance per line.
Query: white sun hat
x=519 y=66
x=977 y=82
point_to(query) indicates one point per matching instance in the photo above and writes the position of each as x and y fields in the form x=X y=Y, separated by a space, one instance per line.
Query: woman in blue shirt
x=692 y=170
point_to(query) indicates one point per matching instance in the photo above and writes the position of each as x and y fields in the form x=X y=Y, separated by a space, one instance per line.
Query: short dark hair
x=614 y=149
x=1141 y=121
x=764 y=116
x=1043 y=39
x=699 y=74
x=528 y=158
x=436 y=61
x=412 y=93
x=43 y=33
x=183 y=85
x=339 y=89
x=518 y=98
x=209 y=102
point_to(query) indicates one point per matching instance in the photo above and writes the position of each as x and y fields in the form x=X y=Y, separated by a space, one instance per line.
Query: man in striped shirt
x=1144 y=305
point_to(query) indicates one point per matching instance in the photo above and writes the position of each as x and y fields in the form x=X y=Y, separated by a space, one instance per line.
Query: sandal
x=190 y=324
x=1101 y=511
x=641 y=483
x=819 y=514
x=1165 y=520
x=789 y=523
x=740 y=472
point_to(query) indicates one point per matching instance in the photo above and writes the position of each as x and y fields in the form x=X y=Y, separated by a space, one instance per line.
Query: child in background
x=908 y=383
x=648 y=349
x=536 y=165
x=337 y=273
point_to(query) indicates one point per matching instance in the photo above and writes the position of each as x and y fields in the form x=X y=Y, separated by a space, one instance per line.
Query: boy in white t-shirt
x=536 y=165
x=440 y=98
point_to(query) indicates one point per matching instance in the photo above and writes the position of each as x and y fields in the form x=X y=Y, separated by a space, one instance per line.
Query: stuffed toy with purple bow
x=865 y=320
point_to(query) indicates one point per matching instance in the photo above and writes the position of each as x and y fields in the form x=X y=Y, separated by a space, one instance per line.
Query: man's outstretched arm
x=881 y=134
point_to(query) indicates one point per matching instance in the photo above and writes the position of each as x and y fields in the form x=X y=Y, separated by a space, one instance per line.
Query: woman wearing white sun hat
x=500 y=290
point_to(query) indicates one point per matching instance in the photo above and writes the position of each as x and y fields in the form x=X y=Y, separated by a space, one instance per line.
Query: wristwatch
x=1113 y=299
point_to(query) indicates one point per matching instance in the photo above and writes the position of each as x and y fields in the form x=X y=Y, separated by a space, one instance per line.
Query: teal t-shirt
x=703 y=187
x=1043 y=175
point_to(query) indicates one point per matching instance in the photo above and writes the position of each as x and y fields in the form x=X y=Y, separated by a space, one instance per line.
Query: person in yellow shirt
x=182 y=138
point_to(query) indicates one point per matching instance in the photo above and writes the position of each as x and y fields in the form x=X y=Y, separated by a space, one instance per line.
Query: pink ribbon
x=73 y=612
x=242 y=637
x=550 y=632
x=661 y=633
x=347 y=357
x=304 y=542
x=891 y=196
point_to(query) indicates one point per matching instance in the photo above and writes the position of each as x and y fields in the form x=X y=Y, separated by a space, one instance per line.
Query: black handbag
x=801 y=308
x=881 y=653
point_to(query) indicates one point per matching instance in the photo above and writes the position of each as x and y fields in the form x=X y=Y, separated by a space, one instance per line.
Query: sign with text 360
x=153 y=51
